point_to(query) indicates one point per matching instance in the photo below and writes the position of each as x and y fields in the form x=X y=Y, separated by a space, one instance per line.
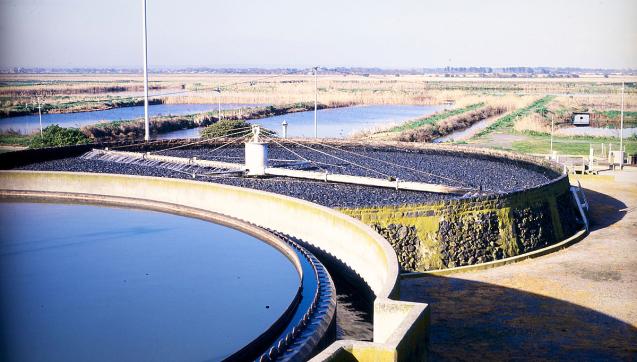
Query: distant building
x=581 y=119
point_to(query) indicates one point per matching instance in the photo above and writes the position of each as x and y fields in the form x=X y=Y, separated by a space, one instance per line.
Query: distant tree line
x=333 y=70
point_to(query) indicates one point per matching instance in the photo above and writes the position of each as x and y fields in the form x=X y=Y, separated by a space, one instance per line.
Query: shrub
x=224 y=128
x=54 y=136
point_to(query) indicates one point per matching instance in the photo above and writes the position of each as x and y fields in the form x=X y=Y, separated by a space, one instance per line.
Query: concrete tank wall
x=476 y=230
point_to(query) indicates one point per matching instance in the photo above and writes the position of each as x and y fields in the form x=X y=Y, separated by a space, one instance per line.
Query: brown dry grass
x=420 y=90
x=598 y=102
x=532 y=122
x=429 y=132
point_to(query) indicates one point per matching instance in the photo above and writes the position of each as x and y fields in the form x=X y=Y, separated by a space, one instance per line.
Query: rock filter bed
x=493 y=175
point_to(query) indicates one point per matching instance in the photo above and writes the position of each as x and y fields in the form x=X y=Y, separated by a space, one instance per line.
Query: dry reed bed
x=604 y=111
x=353 y=89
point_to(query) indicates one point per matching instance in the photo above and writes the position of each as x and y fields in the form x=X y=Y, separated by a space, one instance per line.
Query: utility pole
x=146 y=122
x=218 y=90
x=621 y=132
x=40 y=114
x=552 y=126
x=315 y=101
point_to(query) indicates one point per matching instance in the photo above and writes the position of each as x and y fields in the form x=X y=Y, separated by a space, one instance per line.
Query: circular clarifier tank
x=95 y=283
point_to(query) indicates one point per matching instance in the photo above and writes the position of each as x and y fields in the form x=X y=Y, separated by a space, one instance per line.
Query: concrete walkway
x=576 y=304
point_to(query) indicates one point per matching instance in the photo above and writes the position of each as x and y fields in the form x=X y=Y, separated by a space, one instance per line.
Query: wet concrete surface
x=575 y=304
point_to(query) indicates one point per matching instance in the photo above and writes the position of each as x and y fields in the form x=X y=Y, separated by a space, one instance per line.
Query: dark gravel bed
x=327 y=194
x=497 y=175
x=493 y=175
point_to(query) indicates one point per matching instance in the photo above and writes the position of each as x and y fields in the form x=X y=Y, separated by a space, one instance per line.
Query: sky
x=326 y=33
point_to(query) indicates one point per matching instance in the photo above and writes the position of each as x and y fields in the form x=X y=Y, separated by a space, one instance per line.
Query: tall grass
x=448 y=125
x=509 y=119
x=435 y=118
x=532 y=123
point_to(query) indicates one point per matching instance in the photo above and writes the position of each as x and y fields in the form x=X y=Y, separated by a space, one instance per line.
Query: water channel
x=333 y=122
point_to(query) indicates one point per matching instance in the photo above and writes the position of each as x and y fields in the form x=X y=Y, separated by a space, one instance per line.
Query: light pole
x=552 y=126
x=145 y=40
x=315 y=101
x=218 y=90
x=40 y=114
x=621 y=132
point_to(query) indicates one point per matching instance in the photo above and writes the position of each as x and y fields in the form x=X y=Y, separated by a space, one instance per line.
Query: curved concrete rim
x=385 y=289
x=271 y=332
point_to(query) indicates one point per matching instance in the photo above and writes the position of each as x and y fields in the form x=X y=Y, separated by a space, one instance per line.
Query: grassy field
x=541 y=144
x=508 y=121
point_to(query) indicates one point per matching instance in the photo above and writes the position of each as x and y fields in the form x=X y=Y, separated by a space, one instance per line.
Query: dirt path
x=576 y=304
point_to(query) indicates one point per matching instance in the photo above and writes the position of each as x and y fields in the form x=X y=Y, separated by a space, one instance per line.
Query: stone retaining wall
x=474 y=230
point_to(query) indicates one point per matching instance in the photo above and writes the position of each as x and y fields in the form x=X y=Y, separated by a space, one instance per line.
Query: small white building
x=581 y=119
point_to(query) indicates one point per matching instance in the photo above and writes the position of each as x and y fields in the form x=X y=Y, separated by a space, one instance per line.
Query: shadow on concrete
x=605 y=210
x=353 y=313
x=479 y=321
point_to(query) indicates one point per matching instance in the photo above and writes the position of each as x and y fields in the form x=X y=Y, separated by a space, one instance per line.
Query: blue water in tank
x=93 y=283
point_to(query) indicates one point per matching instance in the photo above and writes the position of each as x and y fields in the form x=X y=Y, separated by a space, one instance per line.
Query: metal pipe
x=173 y=159
x=146 y=122
x=367 y=181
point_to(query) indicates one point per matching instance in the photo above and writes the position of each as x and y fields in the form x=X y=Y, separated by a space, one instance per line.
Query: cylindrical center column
x=256 y=155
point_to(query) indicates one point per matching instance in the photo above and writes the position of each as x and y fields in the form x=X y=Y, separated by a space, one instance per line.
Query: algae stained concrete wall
x=474 y=230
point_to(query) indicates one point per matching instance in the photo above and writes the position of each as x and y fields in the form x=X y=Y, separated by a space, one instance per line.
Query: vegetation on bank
x=612 y=118
x=435 y=118
x=448 y=125
x=507 y=121
x=14 y=109
x=134 y=129
x=231 y=128
x=14 y=139
x=52 y=136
